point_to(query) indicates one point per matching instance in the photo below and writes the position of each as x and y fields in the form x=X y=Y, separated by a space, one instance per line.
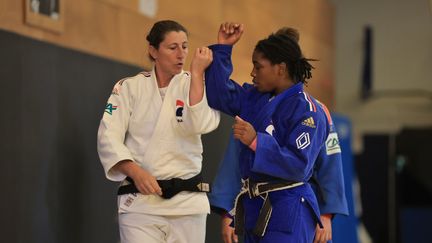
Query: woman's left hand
x=325 y=234
x=244 y=131
x=201 y=60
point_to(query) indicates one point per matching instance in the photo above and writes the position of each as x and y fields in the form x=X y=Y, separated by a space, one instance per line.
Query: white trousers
x=145 y=228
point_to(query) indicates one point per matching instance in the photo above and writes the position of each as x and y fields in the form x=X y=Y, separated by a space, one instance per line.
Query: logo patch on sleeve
x=332 y=144
x=309 y=122
x=303 y=141
x=109 y=108
x=179 y=110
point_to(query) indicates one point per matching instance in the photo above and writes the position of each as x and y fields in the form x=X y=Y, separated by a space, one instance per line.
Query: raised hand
x=229 y=33
x=201 y=60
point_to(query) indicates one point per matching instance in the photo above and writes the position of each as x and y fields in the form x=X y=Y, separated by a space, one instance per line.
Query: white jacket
x=163 y=137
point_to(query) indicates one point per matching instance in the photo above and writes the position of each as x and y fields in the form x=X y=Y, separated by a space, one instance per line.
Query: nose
x=181 y=53
x=252 y=74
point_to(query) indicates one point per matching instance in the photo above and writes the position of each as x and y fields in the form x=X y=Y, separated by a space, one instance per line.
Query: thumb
x=238 y=119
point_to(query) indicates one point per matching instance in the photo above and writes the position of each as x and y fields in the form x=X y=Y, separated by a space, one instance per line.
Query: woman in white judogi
x=151 y=130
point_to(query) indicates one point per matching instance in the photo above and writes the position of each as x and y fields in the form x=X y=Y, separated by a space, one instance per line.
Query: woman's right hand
x=144 y=181
x=201 y=60
x=229 y=33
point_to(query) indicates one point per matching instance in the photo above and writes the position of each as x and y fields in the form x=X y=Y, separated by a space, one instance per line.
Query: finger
x=317 y=236
x=237 y=132
x=222 y=27
x=149 y=188
x=321 y=238
x=226 y=28
x=226 y=238
x=143 y=189
x=231 y=28
x=211 y=54
x=316 y=239
x=156 y=188
x=235 y=237
x=328 y=237
x=206 y=51
x=241 y=29
x=239 y=125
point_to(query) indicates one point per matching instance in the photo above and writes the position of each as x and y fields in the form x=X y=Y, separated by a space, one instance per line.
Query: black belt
x=261 y=189
x=171 y=187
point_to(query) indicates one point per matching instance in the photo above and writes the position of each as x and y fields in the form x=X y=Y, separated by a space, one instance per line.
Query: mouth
x=179 y=65
x=255 y=83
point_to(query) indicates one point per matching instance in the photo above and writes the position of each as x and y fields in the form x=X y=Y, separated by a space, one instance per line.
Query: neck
x=286 y=84
x=162 y=78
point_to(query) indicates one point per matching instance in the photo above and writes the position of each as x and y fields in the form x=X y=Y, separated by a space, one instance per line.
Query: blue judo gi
x=327 y=182
x=291 y=129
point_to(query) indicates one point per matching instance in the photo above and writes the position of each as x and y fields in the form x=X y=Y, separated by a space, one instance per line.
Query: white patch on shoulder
x=332 y=144
x=303 y=141
x=270 y=129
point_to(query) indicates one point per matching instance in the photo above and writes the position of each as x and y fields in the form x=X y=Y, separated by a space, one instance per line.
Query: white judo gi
x=164 y=137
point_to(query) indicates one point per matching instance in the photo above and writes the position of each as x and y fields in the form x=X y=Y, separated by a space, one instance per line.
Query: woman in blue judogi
x=281 y=129
x=327 y=183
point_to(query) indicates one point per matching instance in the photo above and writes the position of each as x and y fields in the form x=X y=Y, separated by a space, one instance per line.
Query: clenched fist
x=230 y=33
x=201 y=60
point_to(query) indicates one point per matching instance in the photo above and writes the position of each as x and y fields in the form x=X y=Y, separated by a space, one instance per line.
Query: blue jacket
x=291 y=129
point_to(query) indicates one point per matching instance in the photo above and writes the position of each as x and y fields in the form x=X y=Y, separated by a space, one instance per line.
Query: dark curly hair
x=283 y=47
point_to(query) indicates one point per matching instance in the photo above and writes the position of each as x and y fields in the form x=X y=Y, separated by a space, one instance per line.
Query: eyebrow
x=174 y=43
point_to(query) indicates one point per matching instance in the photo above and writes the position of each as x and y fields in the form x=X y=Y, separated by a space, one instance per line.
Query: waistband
x=170 y=187
x=261 y=189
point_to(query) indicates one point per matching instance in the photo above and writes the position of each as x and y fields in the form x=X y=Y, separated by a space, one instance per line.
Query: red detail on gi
x=179 y=110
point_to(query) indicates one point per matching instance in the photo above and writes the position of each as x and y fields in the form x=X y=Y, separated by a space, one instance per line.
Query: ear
x=282 y=69
x=153 y=52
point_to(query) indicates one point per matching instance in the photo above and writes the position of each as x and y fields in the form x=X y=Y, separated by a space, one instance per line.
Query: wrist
x=327 y=215
x=195 y=74
x=253 y=144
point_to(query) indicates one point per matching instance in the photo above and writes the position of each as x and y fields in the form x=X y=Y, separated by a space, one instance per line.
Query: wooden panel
x=116 y=30
x=312 y=18
x=131 y=5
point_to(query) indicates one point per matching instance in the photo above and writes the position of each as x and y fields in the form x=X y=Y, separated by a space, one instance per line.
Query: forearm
x=126 y=167
x=196 y=90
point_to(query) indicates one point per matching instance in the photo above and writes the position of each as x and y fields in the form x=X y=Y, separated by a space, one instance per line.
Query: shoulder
x=129 y=83
x=297 y=105
x=132 y=80
x=301 y=107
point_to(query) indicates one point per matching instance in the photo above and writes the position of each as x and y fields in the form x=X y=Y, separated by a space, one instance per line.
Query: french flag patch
x=179 y=110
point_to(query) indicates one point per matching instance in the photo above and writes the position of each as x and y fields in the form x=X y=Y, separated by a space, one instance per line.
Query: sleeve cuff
x=221 y=47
